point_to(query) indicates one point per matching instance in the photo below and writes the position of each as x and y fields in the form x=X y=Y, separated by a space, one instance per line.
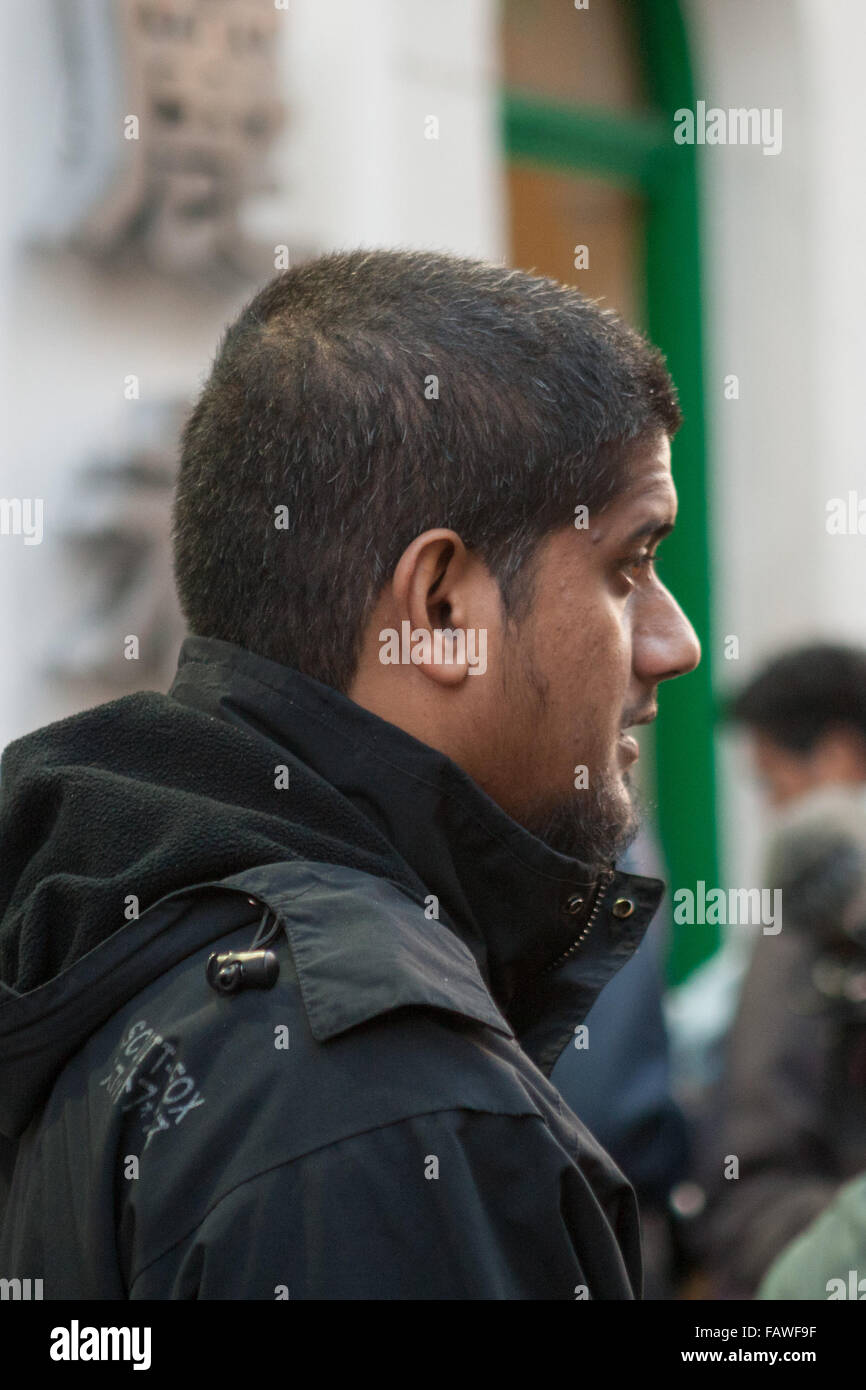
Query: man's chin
x=596 y=829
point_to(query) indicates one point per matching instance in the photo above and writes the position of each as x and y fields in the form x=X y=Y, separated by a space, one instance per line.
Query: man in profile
x=289 y=953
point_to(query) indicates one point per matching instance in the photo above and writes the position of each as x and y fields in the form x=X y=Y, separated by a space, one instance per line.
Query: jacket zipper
x=605 y=879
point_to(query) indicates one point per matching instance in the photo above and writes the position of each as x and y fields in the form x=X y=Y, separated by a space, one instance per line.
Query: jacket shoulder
x=362 y=947
x=377 y=1015
x=368 y=999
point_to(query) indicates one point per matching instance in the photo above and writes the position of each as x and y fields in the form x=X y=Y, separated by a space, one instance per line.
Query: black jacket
x=376 y=1121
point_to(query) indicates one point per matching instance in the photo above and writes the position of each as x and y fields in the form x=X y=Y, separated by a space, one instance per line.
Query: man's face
x=784 y=775
x=583 y=667
x=837 y=758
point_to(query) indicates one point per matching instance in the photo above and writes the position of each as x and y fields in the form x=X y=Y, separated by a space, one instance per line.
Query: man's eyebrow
x=654 y=529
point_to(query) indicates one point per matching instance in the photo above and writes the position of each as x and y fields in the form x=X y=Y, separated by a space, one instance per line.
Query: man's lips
x=628 y=744
x=644 y=718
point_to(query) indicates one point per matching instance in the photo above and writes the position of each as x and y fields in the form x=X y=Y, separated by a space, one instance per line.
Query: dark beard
x=596 y=824
x=595 y=827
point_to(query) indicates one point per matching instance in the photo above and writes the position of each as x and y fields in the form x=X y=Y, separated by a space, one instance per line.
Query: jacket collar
x=517 y=905
x=361 y=948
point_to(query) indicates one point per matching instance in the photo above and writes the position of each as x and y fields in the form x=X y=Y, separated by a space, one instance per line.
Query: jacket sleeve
x=458 y=1204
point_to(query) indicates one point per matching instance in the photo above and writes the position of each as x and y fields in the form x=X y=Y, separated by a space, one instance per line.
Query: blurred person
x=795 y=1078
x=289 y=953
x=828 y=1261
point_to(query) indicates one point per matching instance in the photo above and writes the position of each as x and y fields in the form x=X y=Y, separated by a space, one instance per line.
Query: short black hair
x=801 y=694
x=376 y=394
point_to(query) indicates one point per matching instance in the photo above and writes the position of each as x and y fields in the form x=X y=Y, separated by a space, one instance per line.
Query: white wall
x=352 y=167
x=785 y=293
x=362 y=80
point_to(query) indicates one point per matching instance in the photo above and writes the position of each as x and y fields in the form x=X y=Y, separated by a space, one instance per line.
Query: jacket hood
x=245 y=763
x=139 y=797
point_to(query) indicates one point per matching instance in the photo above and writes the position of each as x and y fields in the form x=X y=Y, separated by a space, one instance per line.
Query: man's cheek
x=612 y=634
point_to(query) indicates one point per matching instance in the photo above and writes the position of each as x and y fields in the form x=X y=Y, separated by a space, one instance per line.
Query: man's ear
x=430 y=594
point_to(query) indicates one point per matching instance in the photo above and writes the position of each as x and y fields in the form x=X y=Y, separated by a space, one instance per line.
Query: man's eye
x=636 y=566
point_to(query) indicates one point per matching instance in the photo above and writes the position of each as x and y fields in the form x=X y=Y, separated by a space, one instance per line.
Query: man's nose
x=665 y=644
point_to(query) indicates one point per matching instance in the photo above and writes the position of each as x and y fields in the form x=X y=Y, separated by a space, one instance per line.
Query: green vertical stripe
x=685 y=751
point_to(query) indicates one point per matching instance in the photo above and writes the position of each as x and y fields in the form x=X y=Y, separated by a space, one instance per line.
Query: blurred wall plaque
x=168 y=111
